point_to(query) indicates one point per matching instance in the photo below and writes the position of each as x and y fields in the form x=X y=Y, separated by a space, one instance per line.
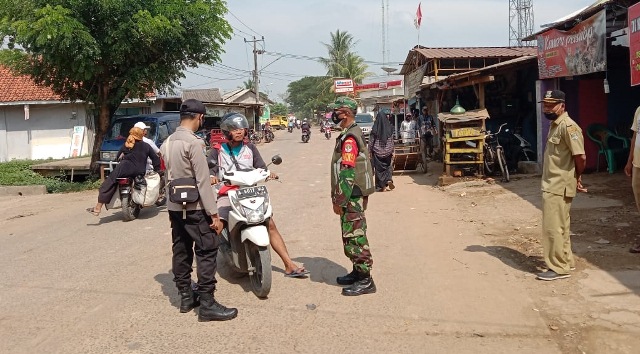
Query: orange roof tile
x=20 y=88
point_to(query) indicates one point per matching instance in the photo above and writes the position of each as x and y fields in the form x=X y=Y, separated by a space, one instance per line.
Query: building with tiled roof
x=20 y=88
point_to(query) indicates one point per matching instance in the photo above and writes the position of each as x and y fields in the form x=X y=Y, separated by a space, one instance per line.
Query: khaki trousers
x=635 y=184
x=555 y=232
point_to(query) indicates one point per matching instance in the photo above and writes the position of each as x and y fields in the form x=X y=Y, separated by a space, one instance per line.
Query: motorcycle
x=132 y=195
x=290 y=128
x=306 y=134
x=268 y=135
x=327 y=132
x=246 y=247
x=255 y=137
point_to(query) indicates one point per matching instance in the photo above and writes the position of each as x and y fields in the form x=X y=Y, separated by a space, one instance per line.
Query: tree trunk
x=102 y=122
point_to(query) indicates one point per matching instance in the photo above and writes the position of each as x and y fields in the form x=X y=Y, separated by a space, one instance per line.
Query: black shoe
x=211 y=310
x=361 y=287
x=350 y=278
x=188 y=300
x=551 y=275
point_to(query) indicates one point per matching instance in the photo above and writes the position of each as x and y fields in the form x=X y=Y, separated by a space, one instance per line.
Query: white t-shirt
x=636 y=148
x=154 y=148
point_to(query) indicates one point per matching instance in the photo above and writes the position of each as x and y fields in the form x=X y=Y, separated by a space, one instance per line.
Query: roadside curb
x=22 y=190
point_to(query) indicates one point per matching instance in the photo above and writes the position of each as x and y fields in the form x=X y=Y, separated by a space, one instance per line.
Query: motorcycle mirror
x=506 y=130
x=276 y=160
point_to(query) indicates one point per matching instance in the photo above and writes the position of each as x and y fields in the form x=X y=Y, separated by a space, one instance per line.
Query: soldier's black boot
x=211 y=310
x=350 y=278
x=360 y=287
x=188 y=300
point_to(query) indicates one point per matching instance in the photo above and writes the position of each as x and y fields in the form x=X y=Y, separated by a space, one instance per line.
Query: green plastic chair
x=609 y=144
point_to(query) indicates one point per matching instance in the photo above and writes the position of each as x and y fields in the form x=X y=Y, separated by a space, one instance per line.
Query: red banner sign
x=578 y=51
x=634 y=43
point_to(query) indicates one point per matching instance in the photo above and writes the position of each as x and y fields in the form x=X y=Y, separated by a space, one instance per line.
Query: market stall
x=463 y=142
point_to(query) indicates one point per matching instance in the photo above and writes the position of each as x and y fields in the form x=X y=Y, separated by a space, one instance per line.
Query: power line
x=319 y=59
x=239 y=20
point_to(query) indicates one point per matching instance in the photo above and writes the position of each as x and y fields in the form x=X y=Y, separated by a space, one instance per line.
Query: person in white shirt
x=408 y=130
x=153 y=145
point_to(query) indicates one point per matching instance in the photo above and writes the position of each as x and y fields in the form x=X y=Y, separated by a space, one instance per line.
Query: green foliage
x=103 y=51
x=311 y=93
x=342 y=62
x=19 y=173
x=279 y=109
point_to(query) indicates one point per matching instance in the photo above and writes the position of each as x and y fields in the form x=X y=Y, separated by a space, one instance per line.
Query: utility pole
x=256 y=78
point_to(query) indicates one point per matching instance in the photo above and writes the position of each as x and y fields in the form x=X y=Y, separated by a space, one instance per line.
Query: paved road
x=73 y=283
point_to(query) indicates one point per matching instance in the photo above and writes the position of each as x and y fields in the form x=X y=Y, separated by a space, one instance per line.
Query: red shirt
x=349 y=152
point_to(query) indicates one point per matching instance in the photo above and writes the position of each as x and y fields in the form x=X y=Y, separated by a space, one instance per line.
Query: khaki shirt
x=565 y=140
x=636 y=148
x=184 y=155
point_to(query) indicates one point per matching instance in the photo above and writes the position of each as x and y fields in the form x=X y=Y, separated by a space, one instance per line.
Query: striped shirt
x=379 y=149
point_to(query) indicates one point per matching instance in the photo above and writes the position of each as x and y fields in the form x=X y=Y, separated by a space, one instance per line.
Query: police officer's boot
x=350 y=278
x=211 y=310
x=363 y=286
x=188 y=300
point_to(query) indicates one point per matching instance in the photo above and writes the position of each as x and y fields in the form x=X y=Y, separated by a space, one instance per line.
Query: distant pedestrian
x=564 y=162
x=351 y=185
x=426 y=130
x=632 y=169
x=381 y=152
x=408 y=130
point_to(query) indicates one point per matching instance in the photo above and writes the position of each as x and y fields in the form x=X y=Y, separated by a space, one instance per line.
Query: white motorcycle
x=246 y=246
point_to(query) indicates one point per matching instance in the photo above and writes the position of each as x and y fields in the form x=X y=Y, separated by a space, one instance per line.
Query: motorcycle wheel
x=503 y=165
x=261 y=278
x=130 y=210
x=305 y=138
x=327 y=135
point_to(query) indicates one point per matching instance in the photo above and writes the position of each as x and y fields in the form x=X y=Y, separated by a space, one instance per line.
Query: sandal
x=297 y=273
x=635 y=249
x=93 y=211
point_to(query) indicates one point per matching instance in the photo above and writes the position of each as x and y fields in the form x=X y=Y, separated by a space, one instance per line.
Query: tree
x=248 y=84
x=104 y=51
x=279 y=109
x=342 y=62
x=311 y=93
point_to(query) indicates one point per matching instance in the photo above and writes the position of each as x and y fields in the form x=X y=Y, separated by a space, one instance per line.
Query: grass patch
x=19 y=173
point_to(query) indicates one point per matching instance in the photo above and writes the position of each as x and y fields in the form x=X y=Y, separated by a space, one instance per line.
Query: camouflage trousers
x=354 y=235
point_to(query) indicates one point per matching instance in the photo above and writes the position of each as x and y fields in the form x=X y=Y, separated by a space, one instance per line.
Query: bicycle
x=494 y=156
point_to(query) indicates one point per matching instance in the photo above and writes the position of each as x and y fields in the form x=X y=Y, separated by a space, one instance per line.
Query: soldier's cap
x=553 y=96
x=192 y=106
x=344 y=101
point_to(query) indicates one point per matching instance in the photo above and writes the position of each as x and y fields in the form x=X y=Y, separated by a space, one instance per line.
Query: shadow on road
x=228 y=274
x=322 y=270
x=168 y=288
x=146 y=213
x=513 y=258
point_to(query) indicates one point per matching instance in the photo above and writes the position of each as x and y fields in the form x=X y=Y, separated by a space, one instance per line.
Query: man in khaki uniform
x=564 y=162
x=632 y=169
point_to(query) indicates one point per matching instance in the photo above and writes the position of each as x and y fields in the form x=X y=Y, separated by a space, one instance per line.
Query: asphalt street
x=74 y=283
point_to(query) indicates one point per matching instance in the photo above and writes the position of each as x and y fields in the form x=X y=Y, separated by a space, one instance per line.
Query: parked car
x=162 y=124
x=365 y=122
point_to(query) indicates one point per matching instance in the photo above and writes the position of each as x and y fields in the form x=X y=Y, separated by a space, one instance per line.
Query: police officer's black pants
x=194 y=230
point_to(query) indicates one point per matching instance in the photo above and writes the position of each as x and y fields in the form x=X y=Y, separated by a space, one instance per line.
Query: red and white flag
x=418 y=20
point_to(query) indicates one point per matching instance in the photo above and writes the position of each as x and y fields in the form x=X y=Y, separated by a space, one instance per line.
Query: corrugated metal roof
x=495 y=66
x=475 y=52
x=204 y=95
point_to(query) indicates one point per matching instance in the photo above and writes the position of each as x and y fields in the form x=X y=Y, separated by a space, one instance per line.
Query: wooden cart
x=463 y=142
x=408 y=157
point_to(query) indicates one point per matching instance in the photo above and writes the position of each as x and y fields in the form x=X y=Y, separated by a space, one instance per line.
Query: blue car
x=162 y=125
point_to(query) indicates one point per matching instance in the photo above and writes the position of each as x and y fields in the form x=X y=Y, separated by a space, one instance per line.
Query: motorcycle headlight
x=238 y=207
x=254 y=216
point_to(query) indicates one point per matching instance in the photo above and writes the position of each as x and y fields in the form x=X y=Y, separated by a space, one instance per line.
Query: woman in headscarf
x=133 y=162
x=381 y=152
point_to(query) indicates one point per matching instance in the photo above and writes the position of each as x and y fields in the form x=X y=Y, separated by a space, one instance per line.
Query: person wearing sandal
x=133 y=162
x=632 y=169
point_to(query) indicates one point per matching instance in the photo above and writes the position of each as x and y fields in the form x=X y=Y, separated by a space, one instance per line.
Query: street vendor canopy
x=468 y=116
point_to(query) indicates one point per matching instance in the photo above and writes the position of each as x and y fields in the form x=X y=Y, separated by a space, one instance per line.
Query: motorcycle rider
x=306 y=127
x=234 y=155
x=291 y=122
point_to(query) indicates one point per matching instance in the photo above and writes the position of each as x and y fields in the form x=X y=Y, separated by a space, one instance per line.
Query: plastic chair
x=609 y=144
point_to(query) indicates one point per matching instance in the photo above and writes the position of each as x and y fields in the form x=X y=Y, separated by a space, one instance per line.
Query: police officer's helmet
x=232 y=121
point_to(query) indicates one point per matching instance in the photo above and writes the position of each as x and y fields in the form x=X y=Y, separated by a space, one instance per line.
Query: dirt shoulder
x=597 y=310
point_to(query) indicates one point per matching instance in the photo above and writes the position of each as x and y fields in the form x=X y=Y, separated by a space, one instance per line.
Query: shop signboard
x=578 y=51
x=634 y=43
x=343 y=85
x=413 y=80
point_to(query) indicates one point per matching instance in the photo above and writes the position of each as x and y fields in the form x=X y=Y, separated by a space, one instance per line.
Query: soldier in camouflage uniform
x=351 y=185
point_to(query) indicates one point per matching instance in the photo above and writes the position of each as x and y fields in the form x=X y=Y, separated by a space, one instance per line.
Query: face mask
x=335 y=119
x=551 y=115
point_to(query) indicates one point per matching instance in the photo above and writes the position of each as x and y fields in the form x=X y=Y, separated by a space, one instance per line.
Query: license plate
x=251 y=192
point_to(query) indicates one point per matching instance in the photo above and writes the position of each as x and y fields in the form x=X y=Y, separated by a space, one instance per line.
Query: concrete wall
x=46 y=134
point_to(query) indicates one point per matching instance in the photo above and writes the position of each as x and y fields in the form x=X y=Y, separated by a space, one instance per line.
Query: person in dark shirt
x=133 y=162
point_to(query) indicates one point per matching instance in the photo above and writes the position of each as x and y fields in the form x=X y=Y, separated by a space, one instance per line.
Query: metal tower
x=520 y=21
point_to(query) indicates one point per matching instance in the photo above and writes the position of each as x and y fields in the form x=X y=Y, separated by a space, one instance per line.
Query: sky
x=299 y=27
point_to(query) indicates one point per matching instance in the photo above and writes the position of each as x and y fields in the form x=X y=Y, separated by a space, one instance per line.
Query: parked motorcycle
x=517 y=148
x=255 y=137
x=306 y=134
x=246 y=246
